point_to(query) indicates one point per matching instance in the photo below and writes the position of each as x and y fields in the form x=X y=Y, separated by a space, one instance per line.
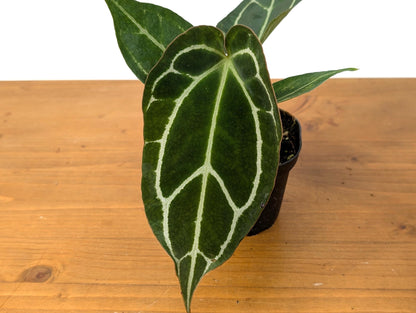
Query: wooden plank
x=74 y=237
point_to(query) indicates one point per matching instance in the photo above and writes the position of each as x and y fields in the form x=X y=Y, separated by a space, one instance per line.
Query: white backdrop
x=56 y=39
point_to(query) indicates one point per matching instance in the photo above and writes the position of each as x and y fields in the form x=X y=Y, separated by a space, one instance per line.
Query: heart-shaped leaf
x=294 y=86
x=212 y=134
x=262 y=16
x=143 y=31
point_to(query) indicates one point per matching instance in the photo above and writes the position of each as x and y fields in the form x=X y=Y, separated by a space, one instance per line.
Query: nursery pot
x=289 y=152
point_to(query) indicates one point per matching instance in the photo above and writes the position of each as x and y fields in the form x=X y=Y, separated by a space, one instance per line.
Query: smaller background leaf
x=262 y=16
x=143 y=31
x=294 y=86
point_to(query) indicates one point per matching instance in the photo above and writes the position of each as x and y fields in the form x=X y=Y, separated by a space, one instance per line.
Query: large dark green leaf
x=294 y=86
x=262 y=16
x=143 y=31
x=212 y=135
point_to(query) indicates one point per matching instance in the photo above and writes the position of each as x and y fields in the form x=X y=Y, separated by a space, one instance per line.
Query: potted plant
x=212 y=128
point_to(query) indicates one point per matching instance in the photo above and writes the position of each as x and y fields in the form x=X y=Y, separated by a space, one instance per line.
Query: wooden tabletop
x=73 y=233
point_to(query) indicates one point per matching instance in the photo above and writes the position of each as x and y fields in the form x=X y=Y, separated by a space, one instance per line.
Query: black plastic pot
x=289 y=153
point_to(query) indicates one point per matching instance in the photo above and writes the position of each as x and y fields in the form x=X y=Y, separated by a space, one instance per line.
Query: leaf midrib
x=206 y=173
x=140 y=27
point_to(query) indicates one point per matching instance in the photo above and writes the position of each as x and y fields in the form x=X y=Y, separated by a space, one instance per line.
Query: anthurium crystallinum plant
x=212 y=129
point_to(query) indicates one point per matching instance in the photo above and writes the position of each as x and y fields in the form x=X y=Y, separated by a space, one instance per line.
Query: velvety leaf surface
x=143 y=31
x=262 y=16
x=212 y=135
x=294 y=86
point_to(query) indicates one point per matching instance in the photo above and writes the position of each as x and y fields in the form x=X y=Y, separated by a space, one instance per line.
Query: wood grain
x=74 y=238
